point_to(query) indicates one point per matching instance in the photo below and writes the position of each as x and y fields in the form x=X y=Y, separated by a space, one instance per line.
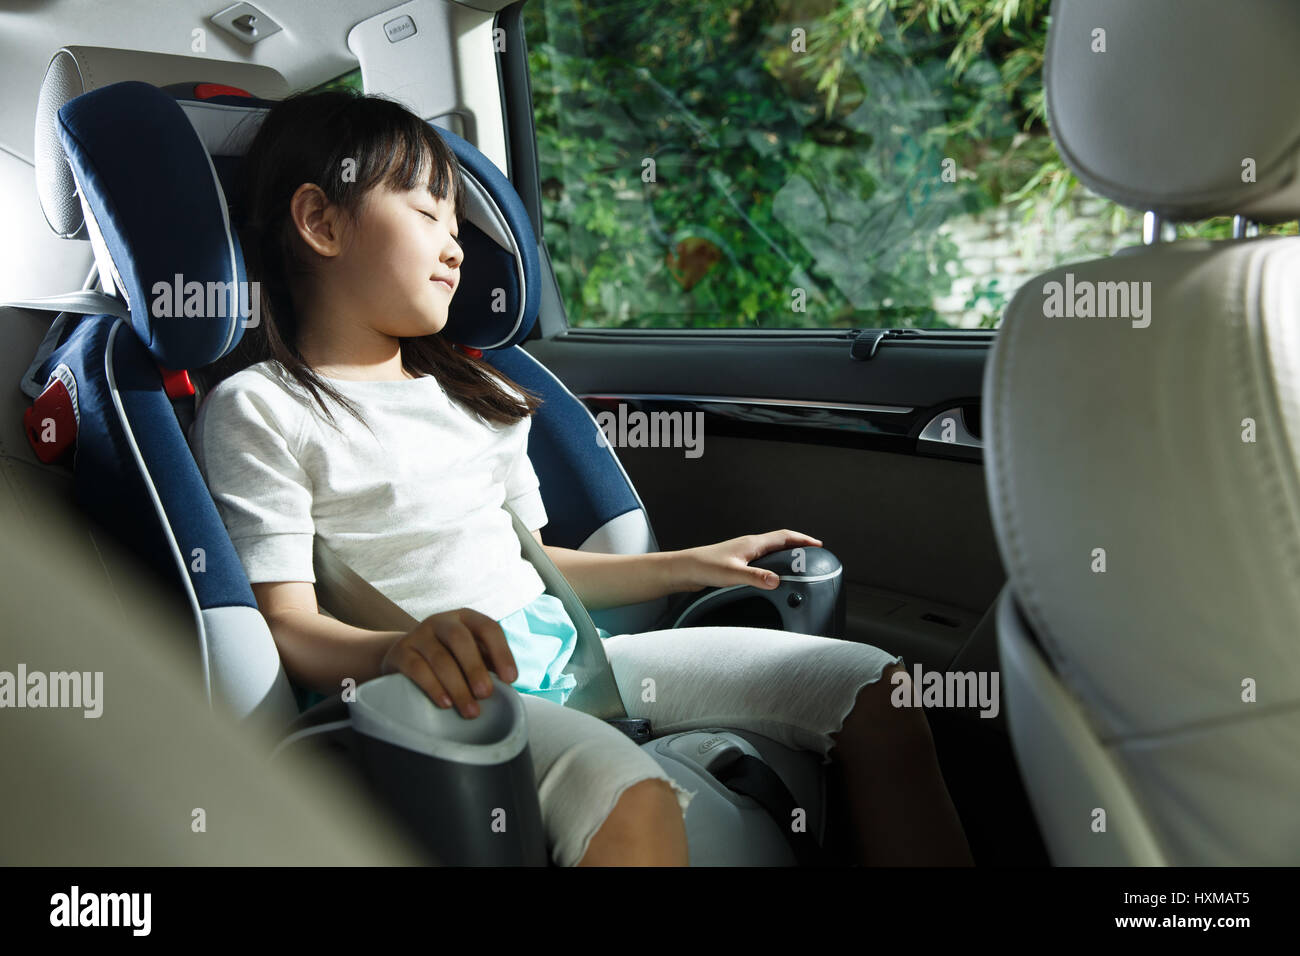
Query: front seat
x=1142 y=429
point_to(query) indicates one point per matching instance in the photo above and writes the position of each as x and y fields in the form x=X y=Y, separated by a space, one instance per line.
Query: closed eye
x=454 y=235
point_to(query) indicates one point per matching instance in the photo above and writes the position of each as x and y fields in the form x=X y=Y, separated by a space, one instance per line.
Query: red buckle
x=177 y=384
x=206 y=91
x=51 y=423
x=470 y=351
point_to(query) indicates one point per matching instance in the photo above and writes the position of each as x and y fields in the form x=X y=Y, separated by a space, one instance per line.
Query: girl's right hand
x=445 y=655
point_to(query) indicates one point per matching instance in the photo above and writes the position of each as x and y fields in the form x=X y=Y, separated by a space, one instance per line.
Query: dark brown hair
x=306 y=139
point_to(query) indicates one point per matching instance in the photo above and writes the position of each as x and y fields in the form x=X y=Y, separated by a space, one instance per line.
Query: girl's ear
x=316 y=219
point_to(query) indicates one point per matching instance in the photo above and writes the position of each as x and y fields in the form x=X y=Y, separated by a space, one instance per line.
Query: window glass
x=758 y=164
x=350 y=80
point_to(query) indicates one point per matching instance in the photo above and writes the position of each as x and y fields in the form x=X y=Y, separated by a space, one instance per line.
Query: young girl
x=350 y=214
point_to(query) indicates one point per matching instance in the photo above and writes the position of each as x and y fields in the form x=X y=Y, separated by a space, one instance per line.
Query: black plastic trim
x=521 y=130
x=521 y=136
x=976 y=338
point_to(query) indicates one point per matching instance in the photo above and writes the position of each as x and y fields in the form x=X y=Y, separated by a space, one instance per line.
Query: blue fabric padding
x=470 y=317
x=470 y=320
x=582 y=486
x=108 y=481
x=160 y=210
x=228 y=169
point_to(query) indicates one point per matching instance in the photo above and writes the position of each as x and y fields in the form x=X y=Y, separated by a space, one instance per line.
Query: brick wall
x=1001 y=249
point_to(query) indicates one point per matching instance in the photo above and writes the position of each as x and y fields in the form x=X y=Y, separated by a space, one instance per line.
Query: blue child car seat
x=152 y=175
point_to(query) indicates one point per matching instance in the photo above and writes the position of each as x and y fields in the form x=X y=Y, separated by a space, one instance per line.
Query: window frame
x=515 y=84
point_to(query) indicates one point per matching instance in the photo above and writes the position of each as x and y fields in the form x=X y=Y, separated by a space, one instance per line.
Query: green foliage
x=347 y=81
x=780 y=174
x=701 y=168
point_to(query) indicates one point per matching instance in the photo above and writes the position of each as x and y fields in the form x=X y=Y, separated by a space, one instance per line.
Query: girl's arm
x=319 y=652
x=448 y=655
x=611 y=580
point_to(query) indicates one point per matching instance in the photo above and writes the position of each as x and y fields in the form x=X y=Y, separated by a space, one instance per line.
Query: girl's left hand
x=727 y=562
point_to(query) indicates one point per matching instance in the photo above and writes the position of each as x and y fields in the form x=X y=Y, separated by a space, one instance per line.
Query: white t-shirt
x=414 y=509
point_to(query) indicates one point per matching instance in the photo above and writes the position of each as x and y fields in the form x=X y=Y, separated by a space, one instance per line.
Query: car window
x=350 y=80
x=884 y=163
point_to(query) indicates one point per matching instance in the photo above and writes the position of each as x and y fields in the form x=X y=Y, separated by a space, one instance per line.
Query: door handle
x=946 y=434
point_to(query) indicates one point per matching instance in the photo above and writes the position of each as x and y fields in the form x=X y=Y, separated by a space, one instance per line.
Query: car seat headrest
x=75 y=70
x=1182 y=107
x=156 y=175
x=157 y=219
x=499 y=293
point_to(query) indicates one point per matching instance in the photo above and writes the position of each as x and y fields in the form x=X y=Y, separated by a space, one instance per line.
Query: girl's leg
x=645 y=828
x=604 y=801
x=815 y=693
x=900 y=811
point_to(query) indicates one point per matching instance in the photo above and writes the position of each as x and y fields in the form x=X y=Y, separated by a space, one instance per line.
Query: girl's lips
x=446 y=283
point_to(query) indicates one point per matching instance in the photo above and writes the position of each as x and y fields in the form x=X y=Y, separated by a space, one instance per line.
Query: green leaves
x=777 y=169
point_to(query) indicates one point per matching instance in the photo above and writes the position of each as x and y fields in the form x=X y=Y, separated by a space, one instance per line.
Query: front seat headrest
x=1181 y=107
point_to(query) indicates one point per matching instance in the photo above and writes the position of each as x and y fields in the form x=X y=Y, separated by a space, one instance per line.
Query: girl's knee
x=885 y=707
x=884 y=693
x=645 y=828
x=649 y=799
x=648 y=808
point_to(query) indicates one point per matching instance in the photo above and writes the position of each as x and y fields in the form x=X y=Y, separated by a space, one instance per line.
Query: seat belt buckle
x=51 y=422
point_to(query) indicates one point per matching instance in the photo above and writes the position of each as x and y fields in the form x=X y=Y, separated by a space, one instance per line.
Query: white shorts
x=794 y=688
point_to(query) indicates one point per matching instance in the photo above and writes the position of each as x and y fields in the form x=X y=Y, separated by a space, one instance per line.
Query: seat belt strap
x=71 y=306
x=597 y=693
x=85 y=302
x=355 y=601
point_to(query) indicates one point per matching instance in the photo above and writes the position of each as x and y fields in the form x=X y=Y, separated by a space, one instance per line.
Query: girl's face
x=401 y=265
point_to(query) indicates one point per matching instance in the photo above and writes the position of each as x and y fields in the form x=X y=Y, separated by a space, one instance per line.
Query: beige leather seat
x=154 y=777
x=130 y=785
x=1159 y=696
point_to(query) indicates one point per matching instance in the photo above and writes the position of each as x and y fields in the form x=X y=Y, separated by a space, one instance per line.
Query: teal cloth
x=307 y=699
x=541 y=638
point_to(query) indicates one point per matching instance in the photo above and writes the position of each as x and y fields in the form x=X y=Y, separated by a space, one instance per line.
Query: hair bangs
x=411 y=156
